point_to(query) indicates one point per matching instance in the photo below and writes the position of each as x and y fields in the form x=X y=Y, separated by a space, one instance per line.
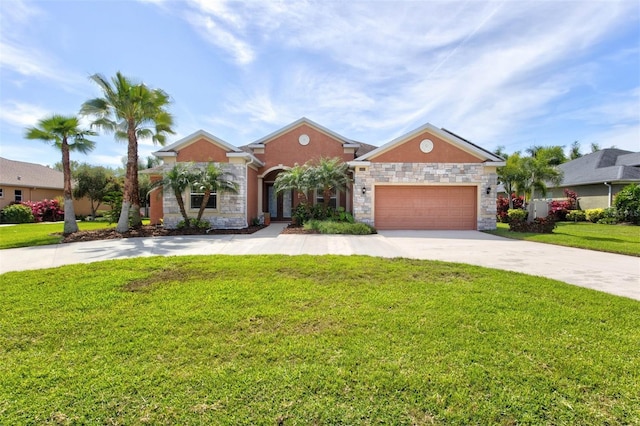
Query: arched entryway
x=278 y=205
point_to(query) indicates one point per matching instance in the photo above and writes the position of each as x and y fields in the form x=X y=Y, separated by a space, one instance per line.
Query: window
x=196 y=200
x=18 y=195
x=333 y=202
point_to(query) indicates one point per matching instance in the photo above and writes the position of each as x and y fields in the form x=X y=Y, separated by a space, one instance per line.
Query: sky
x=511 y=73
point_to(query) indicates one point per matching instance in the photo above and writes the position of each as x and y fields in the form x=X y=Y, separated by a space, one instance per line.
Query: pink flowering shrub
x=502 y=206
x=45 y=210
x=560 y=208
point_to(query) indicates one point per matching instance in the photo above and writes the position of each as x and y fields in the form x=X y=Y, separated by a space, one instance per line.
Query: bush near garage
x=540 y=225
x=627 y=204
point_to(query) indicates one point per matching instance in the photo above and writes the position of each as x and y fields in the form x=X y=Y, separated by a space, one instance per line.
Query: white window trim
x=197 y=208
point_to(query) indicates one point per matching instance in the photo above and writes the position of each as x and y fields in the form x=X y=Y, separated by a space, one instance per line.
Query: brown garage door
x=425 y=207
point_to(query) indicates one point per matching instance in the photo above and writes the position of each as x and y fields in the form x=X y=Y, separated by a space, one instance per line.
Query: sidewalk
x=611 y=273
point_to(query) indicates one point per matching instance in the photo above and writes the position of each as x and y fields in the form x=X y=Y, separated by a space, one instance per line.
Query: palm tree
x=539 y=169
x=178 y=179
x=213 y=179
x=512 y=175
x=330 y=175
x=299 y=179
x=60 y=130
x=130 y=111
x=574 y=151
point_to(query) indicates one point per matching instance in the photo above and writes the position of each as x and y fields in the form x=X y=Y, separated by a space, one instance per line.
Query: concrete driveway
x=611 y=273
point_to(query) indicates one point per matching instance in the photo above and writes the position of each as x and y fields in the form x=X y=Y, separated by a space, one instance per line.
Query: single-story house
x=598 y=177
x=21 y=181
x=429 y=178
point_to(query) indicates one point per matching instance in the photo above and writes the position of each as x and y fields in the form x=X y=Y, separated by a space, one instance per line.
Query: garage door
x=425 y=207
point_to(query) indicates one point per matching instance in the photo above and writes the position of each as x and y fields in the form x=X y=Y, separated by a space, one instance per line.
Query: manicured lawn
x=312 y=340
x=623 y=239
x=40 y=234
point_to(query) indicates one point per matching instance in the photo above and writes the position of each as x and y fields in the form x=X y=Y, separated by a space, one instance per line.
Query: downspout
x=609 y=199
x=246 y=189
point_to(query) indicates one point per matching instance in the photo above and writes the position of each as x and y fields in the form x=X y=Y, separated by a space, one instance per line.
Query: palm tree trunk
x=132 y=176
x=183 y=211
x=123 y=221
x=203 y=204
x=70 y=225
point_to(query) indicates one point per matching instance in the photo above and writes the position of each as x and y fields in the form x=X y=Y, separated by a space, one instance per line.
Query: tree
x=627 y=203
x=512 y=175
x=212 y=179
x=329 y=175
x=95 y=183
x=130 y=111
x=297 y=178
x=574 y=151
x=595 y=147
x=178 y=179
x=64 y=133
x=539 y=169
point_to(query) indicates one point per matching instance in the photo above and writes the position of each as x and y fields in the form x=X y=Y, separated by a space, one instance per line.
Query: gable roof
x=19 y=173
x=444 y=134
x=299 y=122
x=232 y=151
x=607 y=165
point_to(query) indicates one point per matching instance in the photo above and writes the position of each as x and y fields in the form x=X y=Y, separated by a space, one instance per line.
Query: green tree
x=178 y=179
x=595 y=147
x=539 y=169
x=512 y=175
x=65 y=134
x=94 y=182
x=574 y=151
x=329 y=175
x=130 y=111
x=212 y=179
x=299 y=179
x=627 y=203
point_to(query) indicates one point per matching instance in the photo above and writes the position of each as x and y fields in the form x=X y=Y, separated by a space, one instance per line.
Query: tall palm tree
x=538 y=170
x=64 y=133
x=330 y=174
x=130 y=111
x=512 y=175
x=213 y=179
x=178 y=179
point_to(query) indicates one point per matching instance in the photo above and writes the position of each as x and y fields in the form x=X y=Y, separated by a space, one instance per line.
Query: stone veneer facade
x=231 y=212
x=426 y=174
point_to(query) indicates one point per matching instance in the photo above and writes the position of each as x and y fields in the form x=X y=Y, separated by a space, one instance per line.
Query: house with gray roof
x=598 y=177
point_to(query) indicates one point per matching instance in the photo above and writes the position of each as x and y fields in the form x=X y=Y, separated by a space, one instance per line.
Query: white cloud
x=20 y=114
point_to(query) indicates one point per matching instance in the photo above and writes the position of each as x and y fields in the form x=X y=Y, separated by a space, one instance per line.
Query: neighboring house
x=429 y=178
x=598 y=177
x=21 y=181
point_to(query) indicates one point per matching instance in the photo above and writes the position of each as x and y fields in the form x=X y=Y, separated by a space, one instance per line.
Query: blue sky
x=512 y=73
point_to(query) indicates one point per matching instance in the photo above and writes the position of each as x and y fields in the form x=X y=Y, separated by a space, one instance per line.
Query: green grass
x=312 y=340
x=622 y=239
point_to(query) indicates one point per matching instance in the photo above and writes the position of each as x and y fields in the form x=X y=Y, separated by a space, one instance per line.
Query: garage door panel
x=425 y=207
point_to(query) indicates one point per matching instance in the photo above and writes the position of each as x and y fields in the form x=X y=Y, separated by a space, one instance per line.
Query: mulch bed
x=151 y=231
x=296 y=229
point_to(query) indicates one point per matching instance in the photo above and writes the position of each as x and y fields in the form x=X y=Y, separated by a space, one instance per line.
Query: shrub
x=576 y=216
x=45 y=210
x=594 y=215
x=517 y=215
x=539 y=225
x=194 y=224
x=17 y=213
x=502 y=206
x=331 y=227
x=609 y=216
x=627 y=203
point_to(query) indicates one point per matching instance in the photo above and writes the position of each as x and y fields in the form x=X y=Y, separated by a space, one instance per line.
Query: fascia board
x=200 y=134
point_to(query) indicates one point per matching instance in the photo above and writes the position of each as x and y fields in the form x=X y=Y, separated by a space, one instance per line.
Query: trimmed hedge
x=331 y=227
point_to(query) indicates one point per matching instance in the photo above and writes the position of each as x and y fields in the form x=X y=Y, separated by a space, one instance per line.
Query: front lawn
x=312 y=340
x=623 y=239
x=40 y=234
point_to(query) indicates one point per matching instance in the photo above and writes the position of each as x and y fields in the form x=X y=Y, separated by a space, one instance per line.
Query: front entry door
x=280 y=205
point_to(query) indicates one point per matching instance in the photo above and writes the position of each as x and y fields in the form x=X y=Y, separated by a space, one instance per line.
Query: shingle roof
x=18 y=173
x=607 y=165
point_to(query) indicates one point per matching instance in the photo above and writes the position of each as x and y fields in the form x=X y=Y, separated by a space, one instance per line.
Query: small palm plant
x=213 y=179
x=330 y=174
x=178 y=179
x=298 y=178
x=64 y=133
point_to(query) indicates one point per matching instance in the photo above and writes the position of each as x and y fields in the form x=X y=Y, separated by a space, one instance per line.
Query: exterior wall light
x=364 y=190
x=488 y=189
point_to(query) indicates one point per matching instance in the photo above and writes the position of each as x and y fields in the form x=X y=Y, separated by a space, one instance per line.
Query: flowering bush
x=45 y=210
x=502 y=206
x=560 y=208
x=539 y=225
